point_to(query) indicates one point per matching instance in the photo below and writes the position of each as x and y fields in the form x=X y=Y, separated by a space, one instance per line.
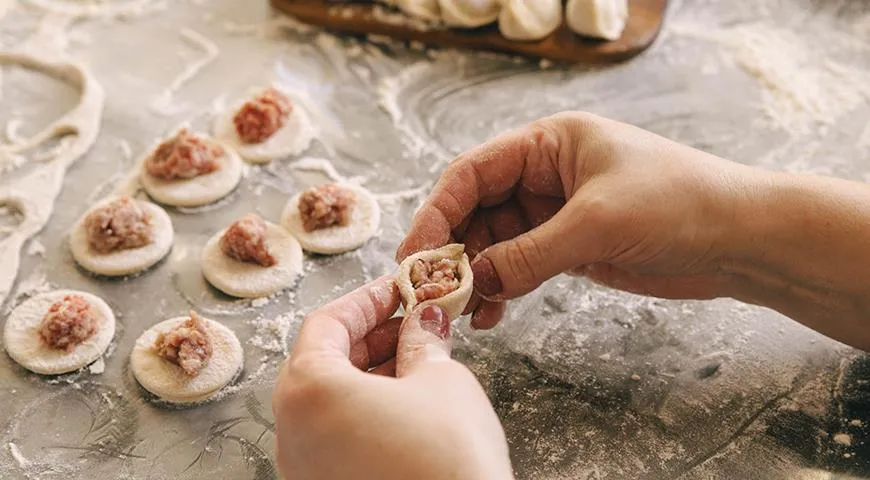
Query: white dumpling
x=423 y=9
x=529 y=19
x=597 y=18
x=469 y=13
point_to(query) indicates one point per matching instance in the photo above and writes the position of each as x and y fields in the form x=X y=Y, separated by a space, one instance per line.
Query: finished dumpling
x=597 y=18
x=529 y=19
x=437 y=277
x=469 y=13
x=428 y=10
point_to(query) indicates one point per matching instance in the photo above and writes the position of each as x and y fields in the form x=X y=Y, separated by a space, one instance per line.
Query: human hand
x=418 y=415
x=576 y=193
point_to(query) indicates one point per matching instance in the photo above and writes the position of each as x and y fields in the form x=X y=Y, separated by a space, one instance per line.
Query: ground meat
x=186 y=345
x=434 y=279
x=122 y=224
x=245 y=241
x=68 y=323
x=262 y=116
x=184 y=156
x=325 y=206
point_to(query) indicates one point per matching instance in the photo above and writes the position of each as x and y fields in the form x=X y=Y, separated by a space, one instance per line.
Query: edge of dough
x=597 y=18
x=454 y=302
x=24 y=345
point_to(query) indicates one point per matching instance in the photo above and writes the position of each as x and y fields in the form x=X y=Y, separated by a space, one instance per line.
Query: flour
x=272 y=333
x=803 y=89
x=17 y=455
x=165 y=103
x=99 y=8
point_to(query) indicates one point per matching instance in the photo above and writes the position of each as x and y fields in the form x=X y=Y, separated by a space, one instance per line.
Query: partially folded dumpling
x=437 y=277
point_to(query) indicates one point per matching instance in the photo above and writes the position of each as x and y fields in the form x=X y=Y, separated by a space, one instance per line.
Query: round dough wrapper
x=454 y=302
x=168 y=382
x=196 y=191
x=469 y=13
x=528 y=20
x=292 y=139
x=124 y=262
x=25 y=346
x=365 y=218
x=597 y=18
x=250 y=280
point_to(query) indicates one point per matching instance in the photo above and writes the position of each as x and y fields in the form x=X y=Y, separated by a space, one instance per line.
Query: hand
x=582 y=194
x=418 y=415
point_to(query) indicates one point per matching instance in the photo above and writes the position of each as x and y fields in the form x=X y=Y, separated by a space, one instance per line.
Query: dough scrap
x=168 y=381
x=365 y=218
x=597 y=18
x=24 y=344
x=250 y=280
x=469 y=13
x=454 y=302
x=528 y=20
x=197 y=191
x=123 y=262
x=292 y=139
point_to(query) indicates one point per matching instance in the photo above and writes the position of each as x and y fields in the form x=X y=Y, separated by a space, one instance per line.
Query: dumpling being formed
x=597 y=18
x=527 y=20
x=469 y=13
x=437 y=277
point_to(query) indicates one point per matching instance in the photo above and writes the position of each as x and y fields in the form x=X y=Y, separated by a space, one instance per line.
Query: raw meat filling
x=434 y=279
x=325 y=206
x=68 y=323
x=186 y=345
x=261 y=117
x=184 y=156
x=120 y=225
x=245 y=241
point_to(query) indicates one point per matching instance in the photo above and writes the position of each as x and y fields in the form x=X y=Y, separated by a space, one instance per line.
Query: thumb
x=515 y=267
x=424 y=339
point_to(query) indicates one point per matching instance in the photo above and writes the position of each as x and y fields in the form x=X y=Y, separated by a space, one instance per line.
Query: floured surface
x=589 y=383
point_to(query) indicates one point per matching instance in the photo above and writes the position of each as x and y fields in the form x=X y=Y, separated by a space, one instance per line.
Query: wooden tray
x=644 y=23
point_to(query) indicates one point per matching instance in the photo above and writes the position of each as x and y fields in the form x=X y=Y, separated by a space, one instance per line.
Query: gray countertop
x=589 y=383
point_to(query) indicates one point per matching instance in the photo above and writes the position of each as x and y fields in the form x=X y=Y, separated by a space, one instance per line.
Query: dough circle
x=528 y=20
x=365 y=218
x=168 y=382
x=292 y=139
x=196 y=191
x=25 y=346
x=469 y=13
x=454 y=302
x=250 y=280
x=597 y=18
x=123 y=262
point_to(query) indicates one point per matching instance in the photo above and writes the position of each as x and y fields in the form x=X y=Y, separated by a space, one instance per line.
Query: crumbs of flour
x=272 y=333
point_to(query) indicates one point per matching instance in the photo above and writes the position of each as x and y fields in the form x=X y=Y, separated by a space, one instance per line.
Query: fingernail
x=435 y=321
x=486 y=281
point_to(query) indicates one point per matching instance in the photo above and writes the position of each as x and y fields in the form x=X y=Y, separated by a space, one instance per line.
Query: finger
x=485 y=175
x=331 y=330
x=386 y=369
x=506 y=222
x=378 y=346
x=424 y=339
x=537 y=209
x=517 y=266
x=487 y=315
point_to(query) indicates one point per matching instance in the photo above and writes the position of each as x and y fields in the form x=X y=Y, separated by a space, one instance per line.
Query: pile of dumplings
x=524 y=20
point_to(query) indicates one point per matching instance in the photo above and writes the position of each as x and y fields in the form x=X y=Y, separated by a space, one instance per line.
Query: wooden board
x=644 y=23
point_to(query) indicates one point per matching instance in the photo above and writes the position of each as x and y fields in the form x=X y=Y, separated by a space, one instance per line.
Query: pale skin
x=576 y=194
